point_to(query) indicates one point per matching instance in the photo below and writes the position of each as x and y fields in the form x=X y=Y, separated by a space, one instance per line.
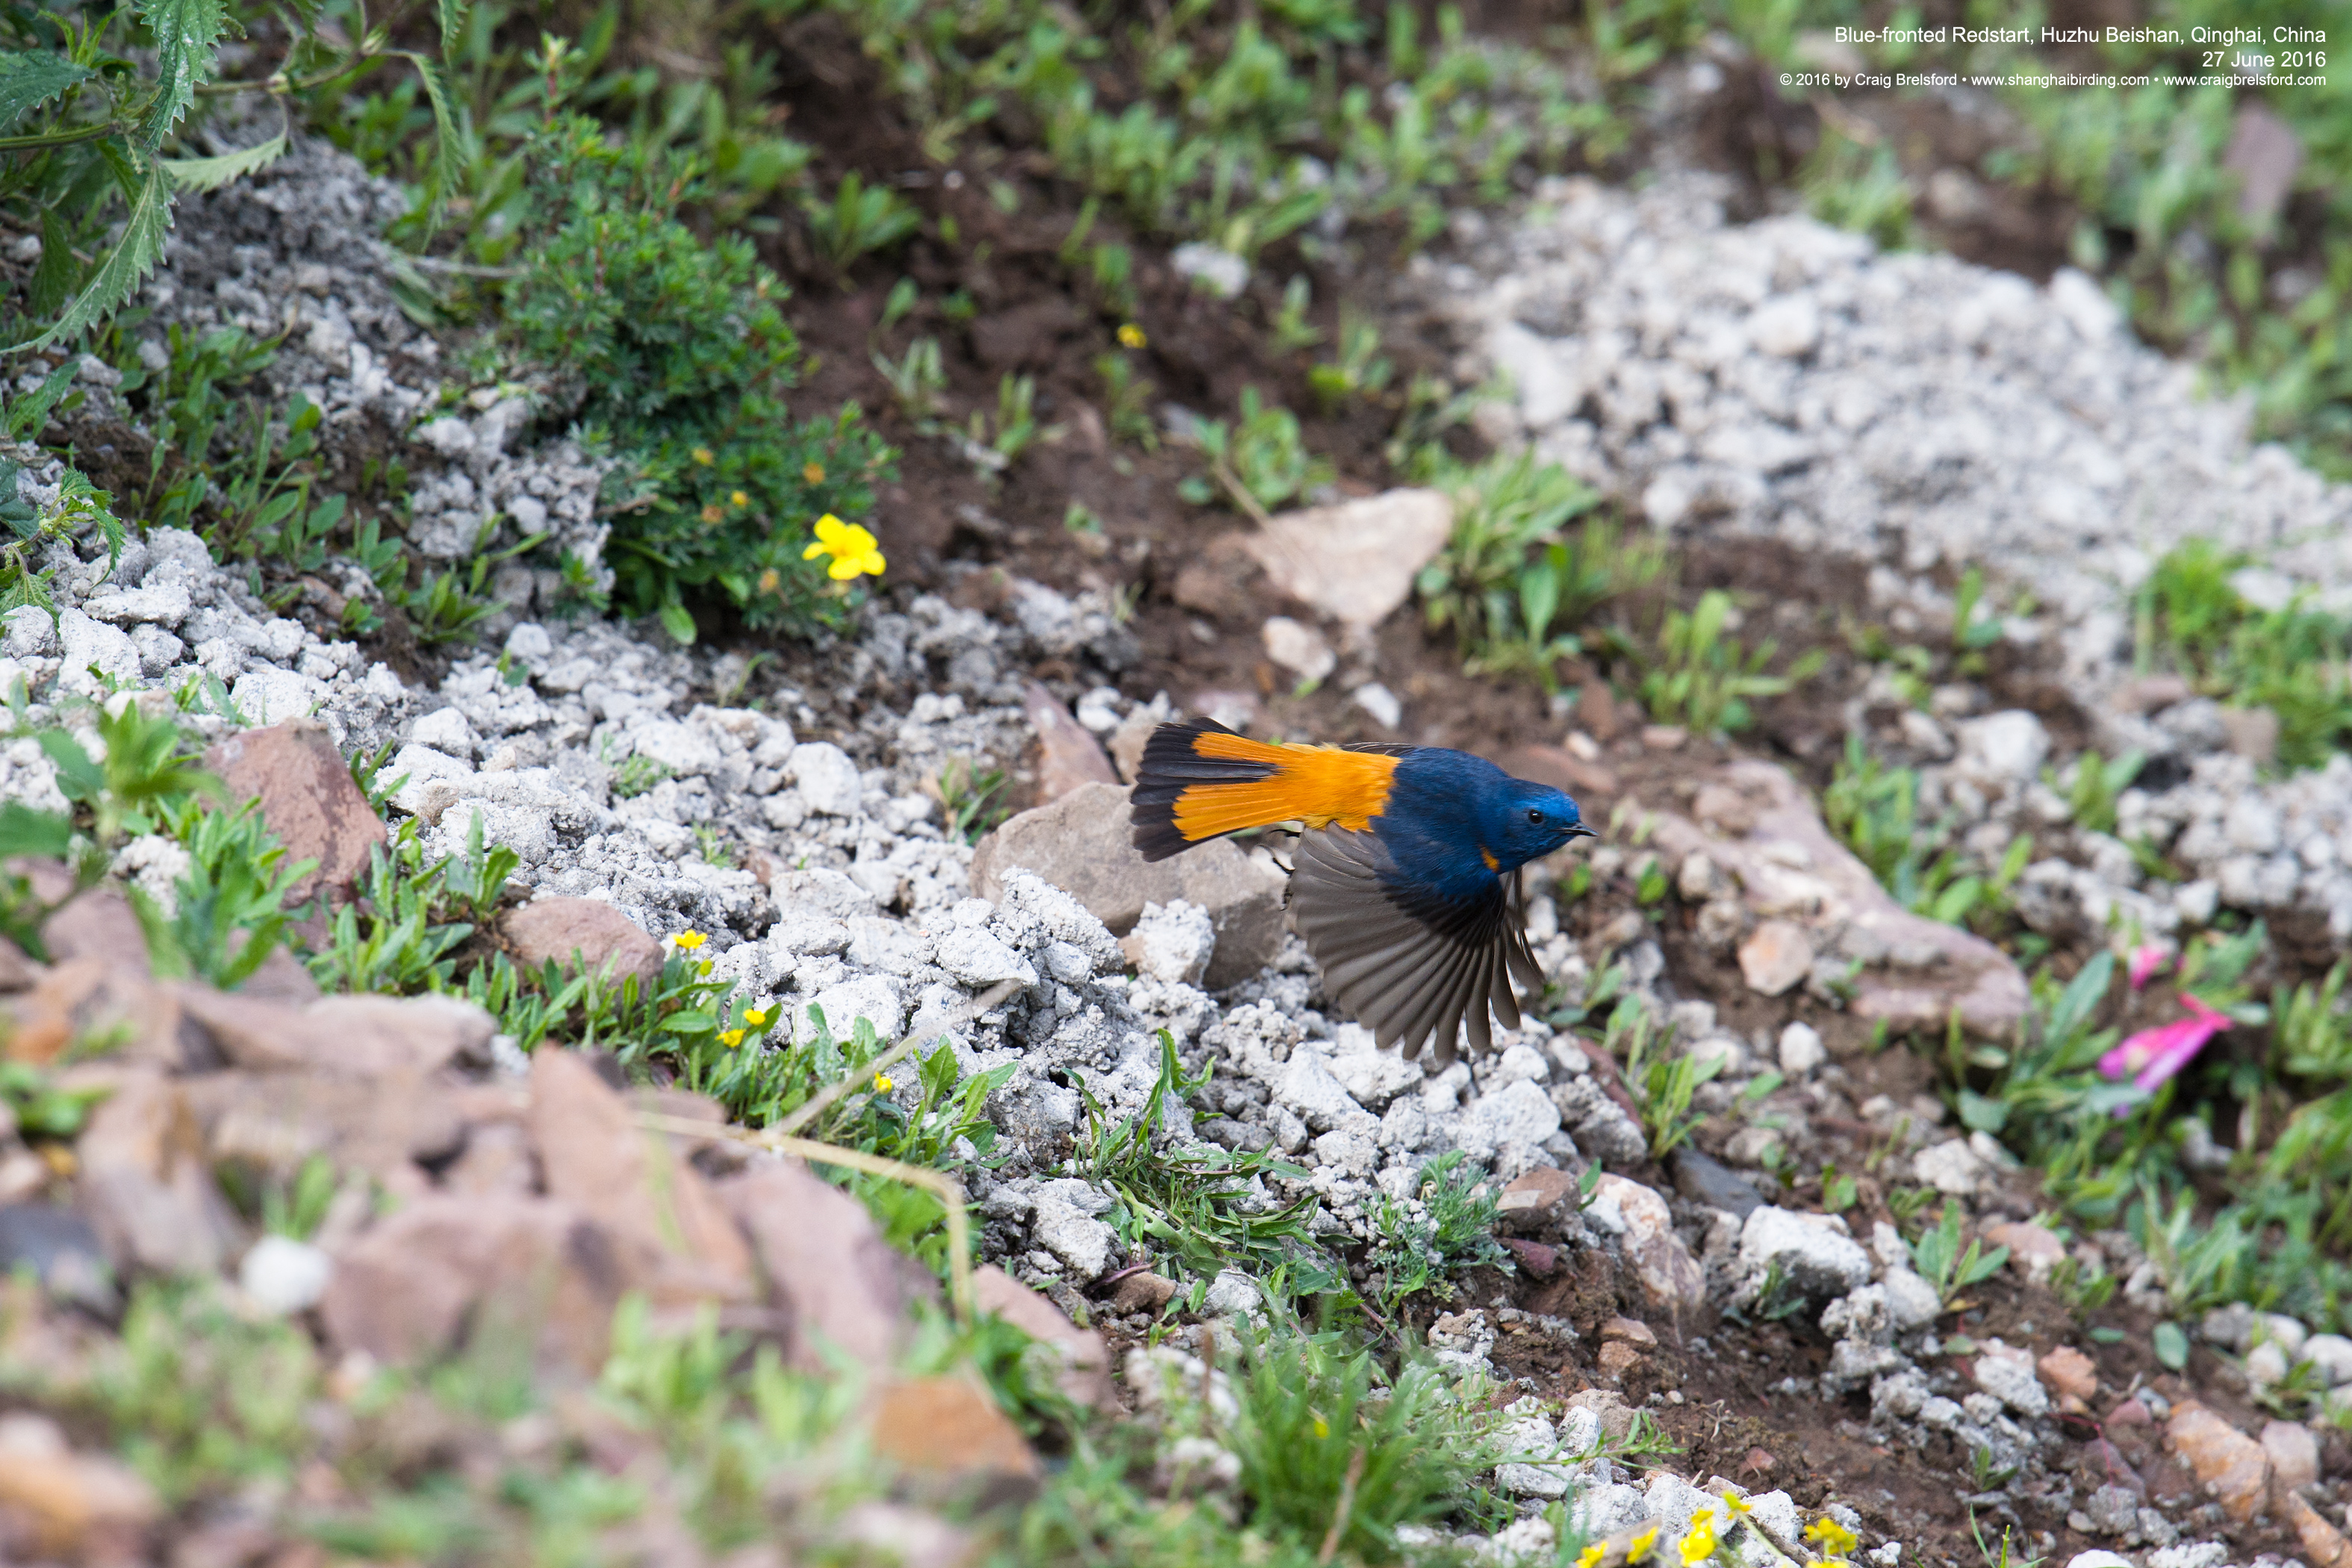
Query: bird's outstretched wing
x=1411 y=966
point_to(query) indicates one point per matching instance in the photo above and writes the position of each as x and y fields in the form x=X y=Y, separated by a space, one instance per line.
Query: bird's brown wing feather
x=1412 y=969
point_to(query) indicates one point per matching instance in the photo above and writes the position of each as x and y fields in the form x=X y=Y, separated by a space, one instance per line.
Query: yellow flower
x=1322 y=1427
x=883 y=1083
x=1739 y=1506
x=1698 y=1544
x=1834 y=1539
x=740 y=498
x=1591 y=1555
x=855 y=552
x=703 y=968
x=730 y=1038
x=813 y=473
x=702 y=455
x=757 y=1017
x=769 y=579
x=1642 y=1545
x=1130 y=336
x=689 y=940
x=713 y=514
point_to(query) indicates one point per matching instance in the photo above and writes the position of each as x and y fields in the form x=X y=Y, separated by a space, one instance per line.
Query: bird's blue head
x=1524 y=822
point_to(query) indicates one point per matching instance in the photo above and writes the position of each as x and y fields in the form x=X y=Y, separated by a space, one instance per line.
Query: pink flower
x=2148 y=960
x=2152 y=1056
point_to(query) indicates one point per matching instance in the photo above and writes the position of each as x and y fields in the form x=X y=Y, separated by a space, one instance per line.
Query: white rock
x=1801 y=1050
x=1229 y=1295
x=266 y=696
x=1219 y=271
x=869 y=996
x=444 y=730
x=975 y=957
x=2004 y=747
x=2100 y=1559
x=1299 y=647
x=1172 y=942
x=1950 y=1167
x=283 y=1276
x=1380 y=703
x=2011 y=1379
x=1085 y=1245
x=1911 y=1301
x=1815 y=1256
x=1521 y=1115
x=1309 y=1087
x=825 y=777
x=1787 y=327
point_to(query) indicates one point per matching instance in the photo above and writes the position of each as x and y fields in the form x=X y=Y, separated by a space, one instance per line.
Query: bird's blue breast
x=1436 y=827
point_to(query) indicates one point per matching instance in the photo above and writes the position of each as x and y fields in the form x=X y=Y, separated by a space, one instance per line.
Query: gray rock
x=1308 y=1087
x=975 y=958
x=1703 y=1179
x=1173 y=942
x=1080 y=844
x=1520 y=1117
x=1085 y=1246
x=826 y=778
x=1815 y=1257
x=2004 y=748
x=2011 y=1379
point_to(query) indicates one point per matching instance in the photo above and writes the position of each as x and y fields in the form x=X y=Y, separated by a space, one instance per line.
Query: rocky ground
x=1683 y=1328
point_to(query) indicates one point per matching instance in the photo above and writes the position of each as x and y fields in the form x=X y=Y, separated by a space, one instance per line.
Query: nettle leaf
x=135 y=256
x=444 y=129
x=212 y=173
x=185 y=32
x=28 y=80
x=453 y=23
x=54 y=280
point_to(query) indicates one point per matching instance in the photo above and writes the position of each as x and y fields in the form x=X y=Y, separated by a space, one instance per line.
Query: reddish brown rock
x=1616 y=1359
x=71 y=1501
x=17 y=972
x=1788 y=868
x=945 y=1434
x=842 y=1287
x=308 y=798
x=146 y=1183
x=448 y=1266
x=1629 y=1330
x=1085 y=1374
x=1779 y=955
x=2034 y=1250
x=360 y=1037
x=92 y=999
x=2230 y=1465
x=270 y=1125
x=2068 y=1373
x=1069 y=755
x=678 y=1243
x=586 y=932
x=1144 y=1292
x=97 y=924
x=1538 y=1203
x=2323 y=1544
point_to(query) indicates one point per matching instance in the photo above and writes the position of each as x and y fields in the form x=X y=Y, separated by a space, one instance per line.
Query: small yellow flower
x=883 y=1083
x=689 y=940
x=738 y=498
x=1591 y=1555
x=769 y=579
x=1739 y=1506
x=1640 y=1546
x=1834 y=1539
x=1130 y=336
x=813 y=473
x=703 y=968
x=1322 y=1427
x=855 y=552
x=703 y=455
x=756 y=1016
x=730 y=1038
x=1698 y=1542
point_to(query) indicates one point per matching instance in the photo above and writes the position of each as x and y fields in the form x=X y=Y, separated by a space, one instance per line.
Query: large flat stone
x=1354 y=562
x=1081 y=845
x=307 y=797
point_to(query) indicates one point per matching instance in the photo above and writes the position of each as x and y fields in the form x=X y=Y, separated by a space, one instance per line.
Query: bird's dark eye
x=1534 y=815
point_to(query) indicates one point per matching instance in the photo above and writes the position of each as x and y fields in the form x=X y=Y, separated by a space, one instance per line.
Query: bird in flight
x=1406 y=880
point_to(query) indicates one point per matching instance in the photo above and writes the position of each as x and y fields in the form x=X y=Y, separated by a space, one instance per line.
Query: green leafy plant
x=1126 y=402
x=1446 y=1230
x=2092 y=784
x=1360 y=371
x=860 y=220
x=1936 y=1252
x=2295 y=660
x=971 y=798
x=228 y=910
x=682 y=352
x=1704 y=679
x=1664 y=1084
x=1507 y=509
x=1260 y=461
x=1193 y=1207
x=916 y=381
x=997 y=446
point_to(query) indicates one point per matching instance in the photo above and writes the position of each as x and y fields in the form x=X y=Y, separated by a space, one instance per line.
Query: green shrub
x=679 y=354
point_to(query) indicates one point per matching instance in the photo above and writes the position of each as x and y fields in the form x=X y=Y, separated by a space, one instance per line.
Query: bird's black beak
x=1581 y=831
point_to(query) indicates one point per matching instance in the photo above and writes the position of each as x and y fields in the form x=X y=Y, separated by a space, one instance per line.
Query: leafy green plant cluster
x=1875 y=808
x=1259 y=461
x=679 y=352
x=1704 y=678
x=1937 y=1254
x=1197 y=1210
x=92 y=107
x=1663 y=1081
x=1445 y=1231
x=2291 y=660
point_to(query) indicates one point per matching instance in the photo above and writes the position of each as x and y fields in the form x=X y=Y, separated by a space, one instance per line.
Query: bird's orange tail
x=1199 y=780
